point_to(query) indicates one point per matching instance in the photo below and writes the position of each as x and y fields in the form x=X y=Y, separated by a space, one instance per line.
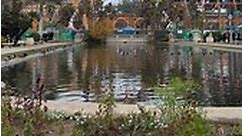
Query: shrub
x=162 y=36
x=4 y=39
x=102 y=29
x=36 y=36
x=204 y=36
x=172 y=118
x=48 y=36
x=217 y=36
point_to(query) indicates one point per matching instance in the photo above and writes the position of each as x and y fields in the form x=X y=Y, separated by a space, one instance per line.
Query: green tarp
x=67 y=36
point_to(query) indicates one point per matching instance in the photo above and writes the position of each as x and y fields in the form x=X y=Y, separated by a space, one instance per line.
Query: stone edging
x=221 y=114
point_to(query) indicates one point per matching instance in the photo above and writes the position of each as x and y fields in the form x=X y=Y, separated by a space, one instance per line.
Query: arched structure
x=123 y=21
x=138 y=22
x=120 y=20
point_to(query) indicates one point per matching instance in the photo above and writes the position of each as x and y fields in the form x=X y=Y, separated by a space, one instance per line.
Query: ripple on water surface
x=81 y=74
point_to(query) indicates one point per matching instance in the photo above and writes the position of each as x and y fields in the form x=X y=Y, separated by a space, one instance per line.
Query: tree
x=50 y=5
x=128 y=7
x=66 y=13
x=195 y=14
x=14 y=21
x=102 y=29
x=158 y=14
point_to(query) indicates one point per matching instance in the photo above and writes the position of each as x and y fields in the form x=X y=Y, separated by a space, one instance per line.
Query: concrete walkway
x=215 y=45
x=212 y=113
x=6 y=51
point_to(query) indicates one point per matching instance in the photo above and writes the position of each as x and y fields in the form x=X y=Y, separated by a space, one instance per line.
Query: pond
x=81 y=73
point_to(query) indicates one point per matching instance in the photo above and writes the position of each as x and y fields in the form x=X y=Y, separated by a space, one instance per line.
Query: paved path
x=212 y=113
x=214 y=45
x=5 y=51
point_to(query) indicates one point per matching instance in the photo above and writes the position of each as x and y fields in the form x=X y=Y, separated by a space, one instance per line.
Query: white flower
x=130 y=121
x=84 y=116
x=130 y=116
x=82 y=122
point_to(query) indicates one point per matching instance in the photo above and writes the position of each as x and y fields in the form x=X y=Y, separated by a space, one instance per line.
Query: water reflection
x=82 y=74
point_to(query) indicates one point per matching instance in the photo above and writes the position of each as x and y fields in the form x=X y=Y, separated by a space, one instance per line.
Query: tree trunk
x=41 y=22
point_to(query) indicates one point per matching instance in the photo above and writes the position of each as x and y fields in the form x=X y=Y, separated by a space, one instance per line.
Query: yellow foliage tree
x=102 y=28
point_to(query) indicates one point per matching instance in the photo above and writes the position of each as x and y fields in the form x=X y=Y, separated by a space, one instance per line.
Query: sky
x=112 y=1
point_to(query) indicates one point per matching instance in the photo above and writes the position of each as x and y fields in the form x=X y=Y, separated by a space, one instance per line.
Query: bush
x=217 y=36
x=162 y=36
x=205 y=36
x=102 y=29
x=170 y=119
x=4 y=39
x=35 y=36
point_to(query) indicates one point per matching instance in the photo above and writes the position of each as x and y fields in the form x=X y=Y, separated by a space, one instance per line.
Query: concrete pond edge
x=218 y=114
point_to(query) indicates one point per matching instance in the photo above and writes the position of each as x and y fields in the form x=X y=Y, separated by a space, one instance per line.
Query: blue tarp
x=233 y=28
x=128 y=30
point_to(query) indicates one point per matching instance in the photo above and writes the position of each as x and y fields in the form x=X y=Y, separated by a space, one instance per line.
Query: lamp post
x=230 y=25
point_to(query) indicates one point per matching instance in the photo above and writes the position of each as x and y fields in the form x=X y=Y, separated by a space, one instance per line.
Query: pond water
x=81 y=73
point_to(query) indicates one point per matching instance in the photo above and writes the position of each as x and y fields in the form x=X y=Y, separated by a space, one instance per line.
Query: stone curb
x=220 y=114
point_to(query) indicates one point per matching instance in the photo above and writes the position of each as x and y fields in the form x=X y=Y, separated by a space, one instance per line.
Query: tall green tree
x=158 y=14
x=14 y=21
x=195 y=15
x=66 y=13
x=128 y=7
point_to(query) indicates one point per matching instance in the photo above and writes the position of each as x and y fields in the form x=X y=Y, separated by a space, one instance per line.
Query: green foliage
x=4 y=39
x=217 y=36
x=34 y=15
x=28 y=129
x=157 y=14
x=61 y=128
x=170 y=120
x=66 y=12
x=127 y=7
x=8 y=130
x=237 y=130
x=14 y=21
x=177 y=89
x=107 y=103
x=195 y=15
x=36 y=36
x=198 y=126
x=161 y=36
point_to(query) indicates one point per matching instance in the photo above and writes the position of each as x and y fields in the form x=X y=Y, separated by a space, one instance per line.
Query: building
x=216 y=12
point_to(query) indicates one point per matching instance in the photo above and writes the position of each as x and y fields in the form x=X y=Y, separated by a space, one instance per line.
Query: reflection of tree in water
x=63 y=72
x=51 y=71
x=11 y=76
x=95 y=67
